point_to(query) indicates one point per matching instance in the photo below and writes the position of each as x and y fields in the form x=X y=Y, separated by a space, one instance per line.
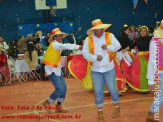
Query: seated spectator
x=4 y=71
x=31 y=56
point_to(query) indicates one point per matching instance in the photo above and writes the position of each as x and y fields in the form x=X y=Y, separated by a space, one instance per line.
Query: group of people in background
x=32 y=48
x=131 y=38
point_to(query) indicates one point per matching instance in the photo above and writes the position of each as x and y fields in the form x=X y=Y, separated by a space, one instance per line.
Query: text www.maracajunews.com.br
x=38 y=117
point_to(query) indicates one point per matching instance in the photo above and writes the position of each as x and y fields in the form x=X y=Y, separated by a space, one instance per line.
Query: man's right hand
x=99 y=57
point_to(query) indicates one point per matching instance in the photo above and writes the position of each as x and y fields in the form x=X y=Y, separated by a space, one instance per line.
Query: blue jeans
x=158 y=100
x=60 y=88
x=99 y=79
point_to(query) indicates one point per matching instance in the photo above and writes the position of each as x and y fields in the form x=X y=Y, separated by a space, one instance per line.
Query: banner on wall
x=135 y=2
x=45 y=28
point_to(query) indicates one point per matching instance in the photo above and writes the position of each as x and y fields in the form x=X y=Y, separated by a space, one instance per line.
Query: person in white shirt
x=155 y=73
x=3 y=45
x=98 y=48
x=53 y=68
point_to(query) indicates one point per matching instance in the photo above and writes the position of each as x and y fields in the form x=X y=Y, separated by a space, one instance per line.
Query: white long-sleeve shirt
x=4 y=45
x=58 y=46
x=104 y=65
x=151 y=64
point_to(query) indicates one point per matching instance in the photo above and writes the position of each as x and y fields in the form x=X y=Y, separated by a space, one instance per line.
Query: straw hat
x=97 y=24
x=157 y=22
x=159 y=31
x=57 y=31
x=143 y=26
x=38 y=33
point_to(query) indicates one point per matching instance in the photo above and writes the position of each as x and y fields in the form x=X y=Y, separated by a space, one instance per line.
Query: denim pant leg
x=63 y=94
x=158 y=100
x=58 y=85
x=110 y=82
x=98 y=85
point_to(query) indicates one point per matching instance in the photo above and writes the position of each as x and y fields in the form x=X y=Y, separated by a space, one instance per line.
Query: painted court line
x=15 y=93
x=147 y=98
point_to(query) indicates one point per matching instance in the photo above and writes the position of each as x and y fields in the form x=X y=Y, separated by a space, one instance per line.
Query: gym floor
x=18 y=102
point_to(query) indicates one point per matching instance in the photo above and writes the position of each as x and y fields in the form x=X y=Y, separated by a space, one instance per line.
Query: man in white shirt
x=155 y=73
x=98 y=49
x=53 y=68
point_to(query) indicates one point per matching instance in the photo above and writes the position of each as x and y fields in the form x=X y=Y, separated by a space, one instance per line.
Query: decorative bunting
x=135 y=2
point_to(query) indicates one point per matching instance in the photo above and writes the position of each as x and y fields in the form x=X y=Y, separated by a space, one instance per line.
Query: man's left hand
x=104 y=47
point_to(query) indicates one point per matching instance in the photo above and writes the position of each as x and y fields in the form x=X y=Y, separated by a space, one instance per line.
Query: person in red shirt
x=4 y=71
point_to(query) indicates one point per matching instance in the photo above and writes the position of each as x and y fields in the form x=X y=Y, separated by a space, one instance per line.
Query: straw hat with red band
x=97 y=24
x=39 y=33
x=57 y=31
x=159 y=31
